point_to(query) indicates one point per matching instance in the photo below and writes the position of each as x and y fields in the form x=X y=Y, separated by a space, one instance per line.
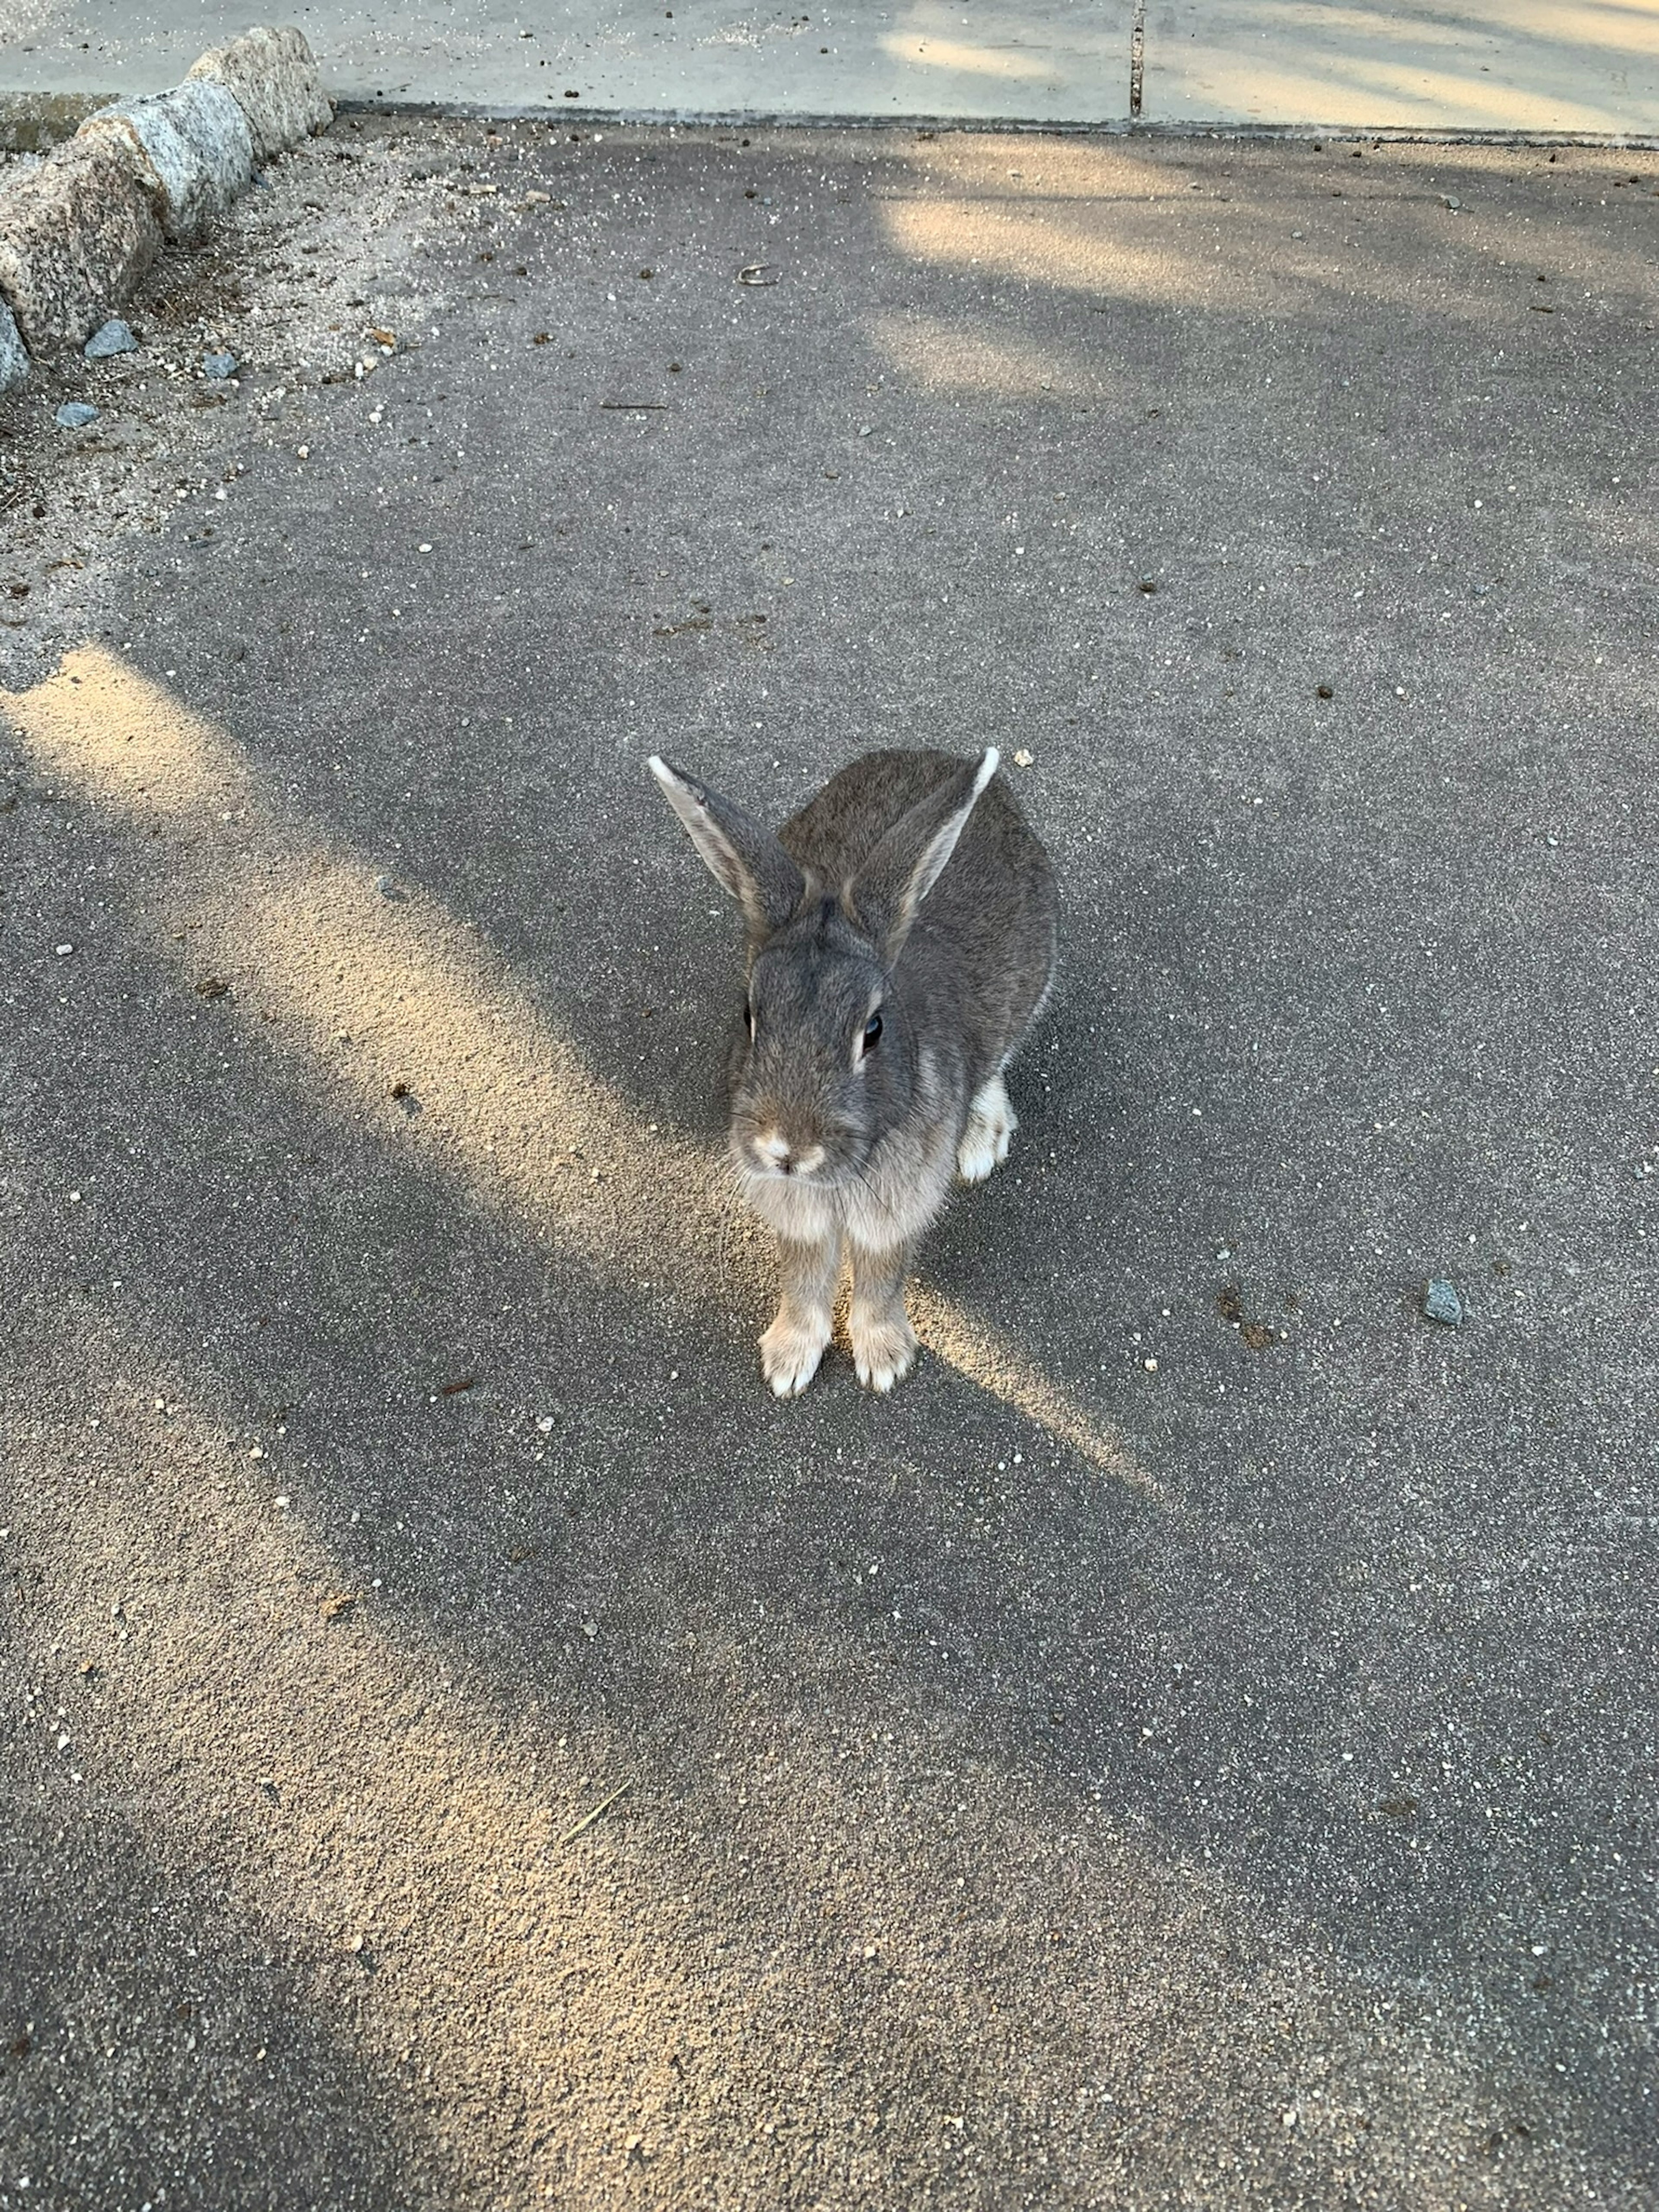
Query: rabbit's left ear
x=910 y=859
x=742 y=854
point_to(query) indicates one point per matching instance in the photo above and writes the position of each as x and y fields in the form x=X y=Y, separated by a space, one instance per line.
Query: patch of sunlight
x=524 y=2003
x=942 y=356
x=1521 y=38
x=1368 y=91
x=1003 y=1371
x=1037 y=168
x=1007 y=238
x=127 y=743
x=392 y=1001
x=361 y=1809
x=1118 y=250
x=412 y=1015
x=929 y=53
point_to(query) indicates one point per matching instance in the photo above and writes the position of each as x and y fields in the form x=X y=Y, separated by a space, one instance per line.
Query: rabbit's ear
x=742 y=854
x=910 y=859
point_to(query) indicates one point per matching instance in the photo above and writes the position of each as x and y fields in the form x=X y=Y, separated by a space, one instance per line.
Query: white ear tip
x=659 y=767
x=988 y=768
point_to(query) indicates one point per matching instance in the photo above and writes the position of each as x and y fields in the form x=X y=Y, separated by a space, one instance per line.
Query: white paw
x=790 y=1353
x=883 y=1351
x=992 y=1122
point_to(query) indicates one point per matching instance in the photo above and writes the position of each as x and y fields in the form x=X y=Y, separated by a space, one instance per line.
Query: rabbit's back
x=980 y=956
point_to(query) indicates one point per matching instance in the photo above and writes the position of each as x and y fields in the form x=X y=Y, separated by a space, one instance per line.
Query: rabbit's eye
x=871 y=1032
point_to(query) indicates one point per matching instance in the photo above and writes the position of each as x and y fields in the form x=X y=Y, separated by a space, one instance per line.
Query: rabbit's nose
x=775 y=1150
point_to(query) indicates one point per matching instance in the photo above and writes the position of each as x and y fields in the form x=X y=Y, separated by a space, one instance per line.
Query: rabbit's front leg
x=884 y=1342
x=992 y=1122
x=792 y=1348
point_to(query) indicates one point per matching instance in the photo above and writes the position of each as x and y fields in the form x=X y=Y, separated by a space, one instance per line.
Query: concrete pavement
x=1194 y=1744
x=1516 y=67
x=1526 y=68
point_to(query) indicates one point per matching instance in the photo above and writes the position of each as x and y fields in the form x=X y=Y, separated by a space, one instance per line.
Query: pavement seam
x=751 y=118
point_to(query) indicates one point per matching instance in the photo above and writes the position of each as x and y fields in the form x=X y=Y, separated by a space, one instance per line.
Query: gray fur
x=899 y=888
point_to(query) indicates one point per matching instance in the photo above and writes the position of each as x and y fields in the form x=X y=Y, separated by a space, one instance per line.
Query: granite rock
x=77 y=233
x=273 y=76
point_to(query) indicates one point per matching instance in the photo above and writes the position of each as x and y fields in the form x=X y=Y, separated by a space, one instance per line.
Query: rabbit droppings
x=868 y=1064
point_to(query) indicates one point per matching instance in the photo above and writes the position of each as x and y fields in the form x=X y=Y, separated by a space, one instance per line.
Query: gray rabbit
x=868 y=1068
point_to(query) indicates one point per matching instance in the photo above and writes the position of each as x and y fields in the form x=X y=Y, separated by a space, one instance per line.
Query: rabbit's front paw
x=992 y=1122
x=884 y=1350
x=790 y=1352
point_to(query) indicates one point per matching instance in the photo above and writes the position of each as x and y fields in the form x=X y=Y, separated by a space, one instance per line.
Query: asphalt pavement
x=467 y=1746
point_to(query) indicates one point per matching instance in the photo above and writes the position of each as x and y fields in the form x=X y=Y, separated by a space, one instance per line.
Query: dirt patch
x=1256 y=1335
x=293 y=282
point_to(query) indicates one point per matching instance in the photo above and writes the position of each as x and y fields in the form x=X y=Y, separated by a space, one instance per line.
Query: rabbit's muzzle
x=774 y=1139
x=776 y=1155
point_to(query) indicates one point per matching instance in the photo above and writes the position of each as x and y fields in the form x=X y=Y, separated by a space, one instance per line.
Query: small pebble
x=220 y=365
x=63 y=951
x=116 y=337
x=1441 y=1302
x=74 y=415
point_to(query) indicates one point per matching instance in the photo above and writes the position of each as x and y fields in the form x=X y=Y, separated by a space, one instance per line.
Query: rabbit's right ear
x=910 y=859
x=743 y=856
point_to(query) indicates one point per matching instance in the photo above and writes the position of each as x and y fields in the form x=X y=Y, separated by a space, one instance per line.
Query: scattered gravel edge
x=80 y=228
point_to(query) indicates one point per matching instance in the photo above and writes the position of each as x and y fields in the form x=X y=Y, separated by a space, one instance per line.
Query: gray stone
x=1441 y=1302
x=272 y=76
x=191 y=145
x=76 y=234
x=116 y=337
x=74 y=415
x=13 y=354
x=219 y=364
